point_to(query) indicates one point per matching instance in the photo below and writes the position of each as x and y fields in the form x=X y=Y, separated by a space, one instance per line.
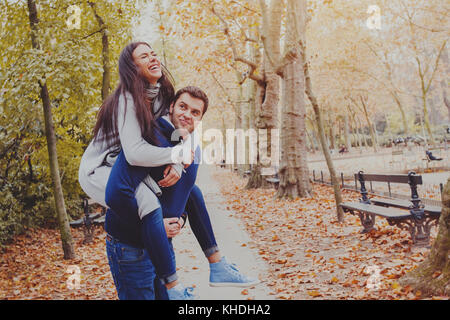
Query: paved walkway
x=231 y=236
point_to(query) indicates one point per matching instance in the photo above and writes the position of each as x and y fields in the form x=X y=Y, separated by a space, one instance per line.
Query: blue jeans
x=123 y=222
x=199 y=221
x=133 y=272
x=120 y=197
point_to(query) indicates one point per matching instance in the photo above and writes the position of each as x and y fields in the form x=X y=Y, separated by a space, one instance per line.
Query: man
x=122 y=221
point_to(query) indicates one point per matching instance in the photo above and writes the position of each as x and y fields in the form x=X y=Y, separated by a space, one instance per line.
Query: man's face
x=148 y=63
x=187 y=112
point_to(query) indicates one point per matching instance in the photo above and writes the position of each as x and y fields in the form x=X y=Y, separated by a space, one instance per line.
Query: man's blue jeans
x=133 y=272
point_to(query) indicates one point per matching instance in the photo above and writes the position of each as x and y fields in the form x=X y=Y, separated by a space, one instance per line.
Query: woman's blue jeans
x=120 y=198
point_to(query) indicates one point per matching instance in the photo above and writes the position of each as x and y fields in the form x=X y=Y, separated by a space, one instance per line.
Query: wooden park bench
x=397 y=157
x=89 y=220
x=412 y=215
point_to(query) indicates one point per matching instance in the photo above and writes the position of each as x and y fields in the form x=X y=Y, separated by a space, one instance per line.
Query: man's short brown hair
x=194 y=92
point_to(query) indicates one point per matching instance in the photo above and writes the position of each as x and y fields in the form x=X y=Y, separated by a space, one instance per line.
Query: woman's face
x=147 y=63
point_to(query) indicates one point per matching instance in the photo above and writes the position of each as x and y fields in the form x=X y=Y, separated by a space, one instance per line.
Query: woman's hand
x=170 y=177
x=172 y=227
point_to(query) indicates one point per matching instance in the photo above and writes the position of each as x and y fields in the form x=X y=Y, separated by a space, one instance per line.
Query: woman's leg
x=120 y=197
x=157 y=245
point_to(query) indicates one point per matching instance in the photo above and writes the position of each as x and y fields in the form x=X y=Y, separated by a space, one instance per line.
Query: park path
x=233 y=242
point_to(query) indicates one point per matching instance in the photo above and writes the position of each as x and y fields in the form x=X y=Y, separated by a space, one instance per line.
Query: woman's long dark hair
x=106 y=128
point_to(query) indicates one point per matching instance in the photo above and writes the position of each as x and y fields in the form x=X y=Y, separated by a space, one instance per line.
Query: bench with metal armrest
x=414 y=217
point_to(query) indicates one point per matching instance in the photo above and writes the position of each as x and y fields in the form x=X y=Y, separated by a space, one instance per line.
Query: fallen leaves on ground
x=33 y=268
x=312 y=256
x=309 y=254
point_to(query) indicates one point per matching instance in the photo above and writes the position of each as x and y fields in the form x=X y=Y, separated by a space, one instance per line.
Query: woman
x=125 y=123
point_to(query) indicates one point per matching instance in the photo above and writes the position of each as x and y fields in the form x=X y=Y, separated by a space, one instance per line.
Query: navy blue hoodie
x=122 y=219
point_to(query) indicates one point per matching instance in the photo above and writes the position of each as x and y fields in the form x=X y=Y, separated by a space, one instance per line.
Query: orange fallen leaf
x=314 y=293
x=436 y=274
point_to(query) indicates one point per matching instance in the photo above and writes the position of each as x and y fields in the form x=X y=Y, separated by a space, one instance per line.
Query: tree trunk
x=267 y=93
x=239 y=124
x=294 y=172
x=256 y=180
x=106 y=80
x=426 y=118
x=311 y=142
x=63 y=222
x=348 y=143
x=363 y=134
x=444 y=81
x=369 y=124
x=432 y=277
x=402 y=112
x=332 y=134
x=312 y=98
x=447 y=103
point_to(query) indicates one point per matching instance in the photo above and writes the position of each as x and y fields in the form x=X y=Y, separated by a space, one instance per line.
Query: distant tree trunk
x=294 y=172
x=364 y=101
x=311 y=142
x=402 y=112
x=444 y=81
x=358 y=134
x=426 y=119
x=314 y=134
x=312 y=98
x=106 y=80
x=432 y=277
x=63 y=222
x=447 y=104
x=357 y=138
x=425 y=87
x=332 y=133
x=348 y=143
x=363 y=134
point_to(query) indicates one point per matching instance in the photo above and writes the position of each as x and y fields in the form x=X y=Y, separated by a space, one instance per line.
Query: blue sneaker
x=224 y=274
x=181 y=293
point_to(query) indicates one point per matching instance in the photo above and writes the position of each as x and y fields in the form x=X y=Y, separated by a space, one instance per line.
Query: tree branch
x=236 y=57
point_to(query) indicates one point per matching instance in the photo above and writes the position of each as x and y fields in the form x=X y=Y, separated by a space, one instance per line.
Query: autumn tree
x=264 y=96
x=64 y=228
x=325 y=149
x=426 y=36
x=66 y=58
x=294 y=172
